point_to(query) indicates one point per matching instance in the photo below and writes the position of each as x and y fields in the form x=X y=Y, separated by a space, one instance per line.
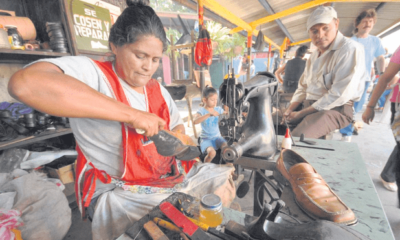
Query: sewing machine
x=248 y=128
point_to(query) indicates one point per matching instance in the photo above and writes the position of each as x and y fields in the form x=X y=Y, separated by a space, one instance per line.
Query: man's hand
x=286 y=115
x=148 y=122
x=294 y=117
x=368 y=115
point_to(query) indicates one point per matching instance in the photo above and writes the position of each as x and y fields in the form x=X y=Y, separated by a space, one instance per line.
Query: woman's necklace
x=146 y=101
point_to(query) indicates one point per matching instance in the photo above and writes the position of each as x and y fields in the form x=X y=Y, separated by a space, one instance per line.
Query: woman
x=123 y=175
x=390 y=174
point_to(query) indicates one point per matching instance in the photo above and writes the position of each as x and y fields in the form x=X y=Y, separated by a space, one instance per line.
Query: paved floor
x=375 y=142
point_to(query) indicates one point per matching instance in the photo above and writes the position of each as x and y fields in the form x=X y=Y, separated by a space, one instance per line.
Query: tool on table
x=320 y=148
x=256 y=134
x=244 y=187
x=154 y=232
x=295 y=145
x=213 y=231
x=168 y=145
x=306 y=141
x=182 y=222
x=167 y=225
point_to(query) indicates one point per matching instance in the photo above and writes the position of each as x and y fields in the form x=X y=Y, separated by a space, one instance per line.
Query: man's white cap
x=321 y=15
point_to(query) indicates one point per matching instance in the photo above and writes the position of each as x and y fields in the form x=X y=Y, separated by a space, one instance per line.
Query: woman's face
x=137 y=62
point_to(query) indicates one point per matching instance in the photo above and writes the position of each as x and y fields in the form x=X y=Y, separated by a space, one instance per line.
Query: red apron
x=142 y=163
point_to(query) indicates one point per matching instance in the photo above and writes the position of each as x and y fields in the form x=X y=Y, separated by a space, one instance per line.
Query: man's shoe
x=312 y=193
x=391 y=186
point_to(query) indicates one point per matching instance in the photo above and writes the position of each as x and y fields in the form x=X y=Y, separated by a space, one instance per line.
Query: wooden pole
x=174 y=77
x=191 y=56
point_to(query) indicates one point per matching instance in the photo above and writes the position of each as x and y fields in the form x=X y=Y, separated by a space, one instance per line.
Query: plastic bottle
x=287 y=141
x=211 y=212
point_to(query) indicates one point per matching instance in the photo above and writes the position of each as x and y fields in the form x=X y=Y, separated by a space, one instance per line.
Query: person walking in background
x=292 y=71
x=252 y=69
x=390 y=173
x=210 y=137
x=243 y=66
x=373 y=48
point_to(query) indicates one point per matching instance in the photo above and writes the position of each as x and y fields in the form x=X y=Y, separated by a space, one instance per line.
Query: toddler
x=210 y=137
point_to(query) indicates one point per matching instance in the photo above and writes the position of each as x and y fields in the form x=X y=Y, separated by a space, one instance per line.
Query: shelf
x=9 y=55
x=22 y=140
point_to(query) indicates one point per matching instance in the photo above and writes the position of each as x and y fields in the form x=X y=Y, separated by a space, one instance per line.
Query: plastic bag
x=260 y=43
x=203 y=52
x=45 y=210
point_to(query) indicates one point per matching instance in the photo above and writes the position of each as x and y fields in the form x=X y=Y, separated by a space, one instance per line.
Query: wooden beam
x=188 y=45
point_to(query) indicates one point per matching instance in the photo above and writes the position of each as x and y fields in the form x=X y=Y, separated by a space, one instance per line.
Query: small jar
x=14 y=37
x=211 y=212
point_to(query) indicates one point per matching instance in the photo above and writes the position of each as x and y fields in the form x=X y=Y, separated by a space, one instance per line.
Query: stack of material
x=58 y=42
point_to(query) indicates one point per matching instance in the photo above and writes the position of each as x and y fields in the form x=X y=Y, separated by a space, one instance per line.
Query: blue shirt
x=373 y=48
x=209 y=127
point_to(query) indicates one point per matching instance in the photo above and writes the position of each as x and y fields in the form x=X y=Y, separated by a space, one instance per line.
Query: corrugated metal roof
x=251 y=10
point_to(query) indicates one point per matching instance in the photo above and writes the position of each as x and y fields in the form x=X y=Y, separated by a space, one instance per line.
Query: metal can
x=211 y=212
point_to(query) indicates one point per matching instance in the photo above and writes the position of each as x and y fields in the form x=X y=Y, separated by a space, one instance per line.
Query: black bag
x=260 y=43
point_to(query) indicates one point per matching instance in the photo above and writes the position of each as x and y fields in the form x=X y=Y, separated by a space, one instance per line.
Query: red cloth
x=203 y=52
x=143 y=164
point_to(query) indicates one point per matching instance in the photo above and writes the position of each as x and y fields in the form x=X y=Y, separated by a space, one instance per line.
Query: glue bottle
x=287 y=141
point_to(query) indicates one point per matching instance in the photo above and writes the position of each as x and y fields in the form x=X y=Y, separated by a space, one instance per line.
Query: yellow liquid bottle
x=211 y=212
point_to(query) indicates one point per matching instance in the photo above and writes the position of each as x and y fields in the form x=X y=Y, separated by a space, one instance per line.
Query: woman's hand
x=368 y=115
x=149 y=122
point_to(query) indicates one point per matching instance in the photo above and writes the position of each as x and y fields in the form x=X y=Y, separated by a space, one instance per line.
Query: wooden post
x=191 y=56
x=174 y=77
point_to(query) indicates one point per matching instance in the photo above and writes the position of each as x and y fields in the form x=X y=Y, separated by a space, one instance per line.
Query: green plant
x=225 y=42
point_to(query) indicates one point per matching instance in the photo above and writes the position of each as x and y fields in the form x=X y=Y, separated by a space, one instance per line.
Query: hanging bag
x=203 y=52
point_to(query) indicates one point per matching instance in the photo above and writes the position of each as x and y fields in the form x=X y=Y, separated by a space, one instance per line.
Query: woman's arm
x=46 y=88
x=383 y=81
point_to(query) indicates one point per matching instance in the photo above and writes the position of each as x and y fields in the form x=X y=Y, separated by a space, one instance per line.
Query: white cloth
x=334 y=78
x=117 y=210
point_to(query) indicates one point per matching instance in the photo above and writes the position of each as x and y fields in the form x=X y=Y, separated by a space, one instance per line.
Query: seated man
x=332 y=80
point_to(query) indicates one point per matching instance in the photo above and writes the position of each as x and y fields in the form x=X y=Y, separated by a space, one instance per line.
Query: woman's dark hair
x=370 y=13
x=301 y=51
x=208 y=91
x=136 y=21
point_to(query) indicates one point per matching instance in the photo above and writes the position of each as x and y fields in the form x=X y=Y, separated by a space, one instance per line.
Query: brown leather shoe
x=312 y=193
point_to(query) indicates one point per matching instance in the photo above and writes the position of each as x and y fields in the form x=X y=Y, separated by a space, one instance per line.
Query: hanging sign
x=91 y=25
